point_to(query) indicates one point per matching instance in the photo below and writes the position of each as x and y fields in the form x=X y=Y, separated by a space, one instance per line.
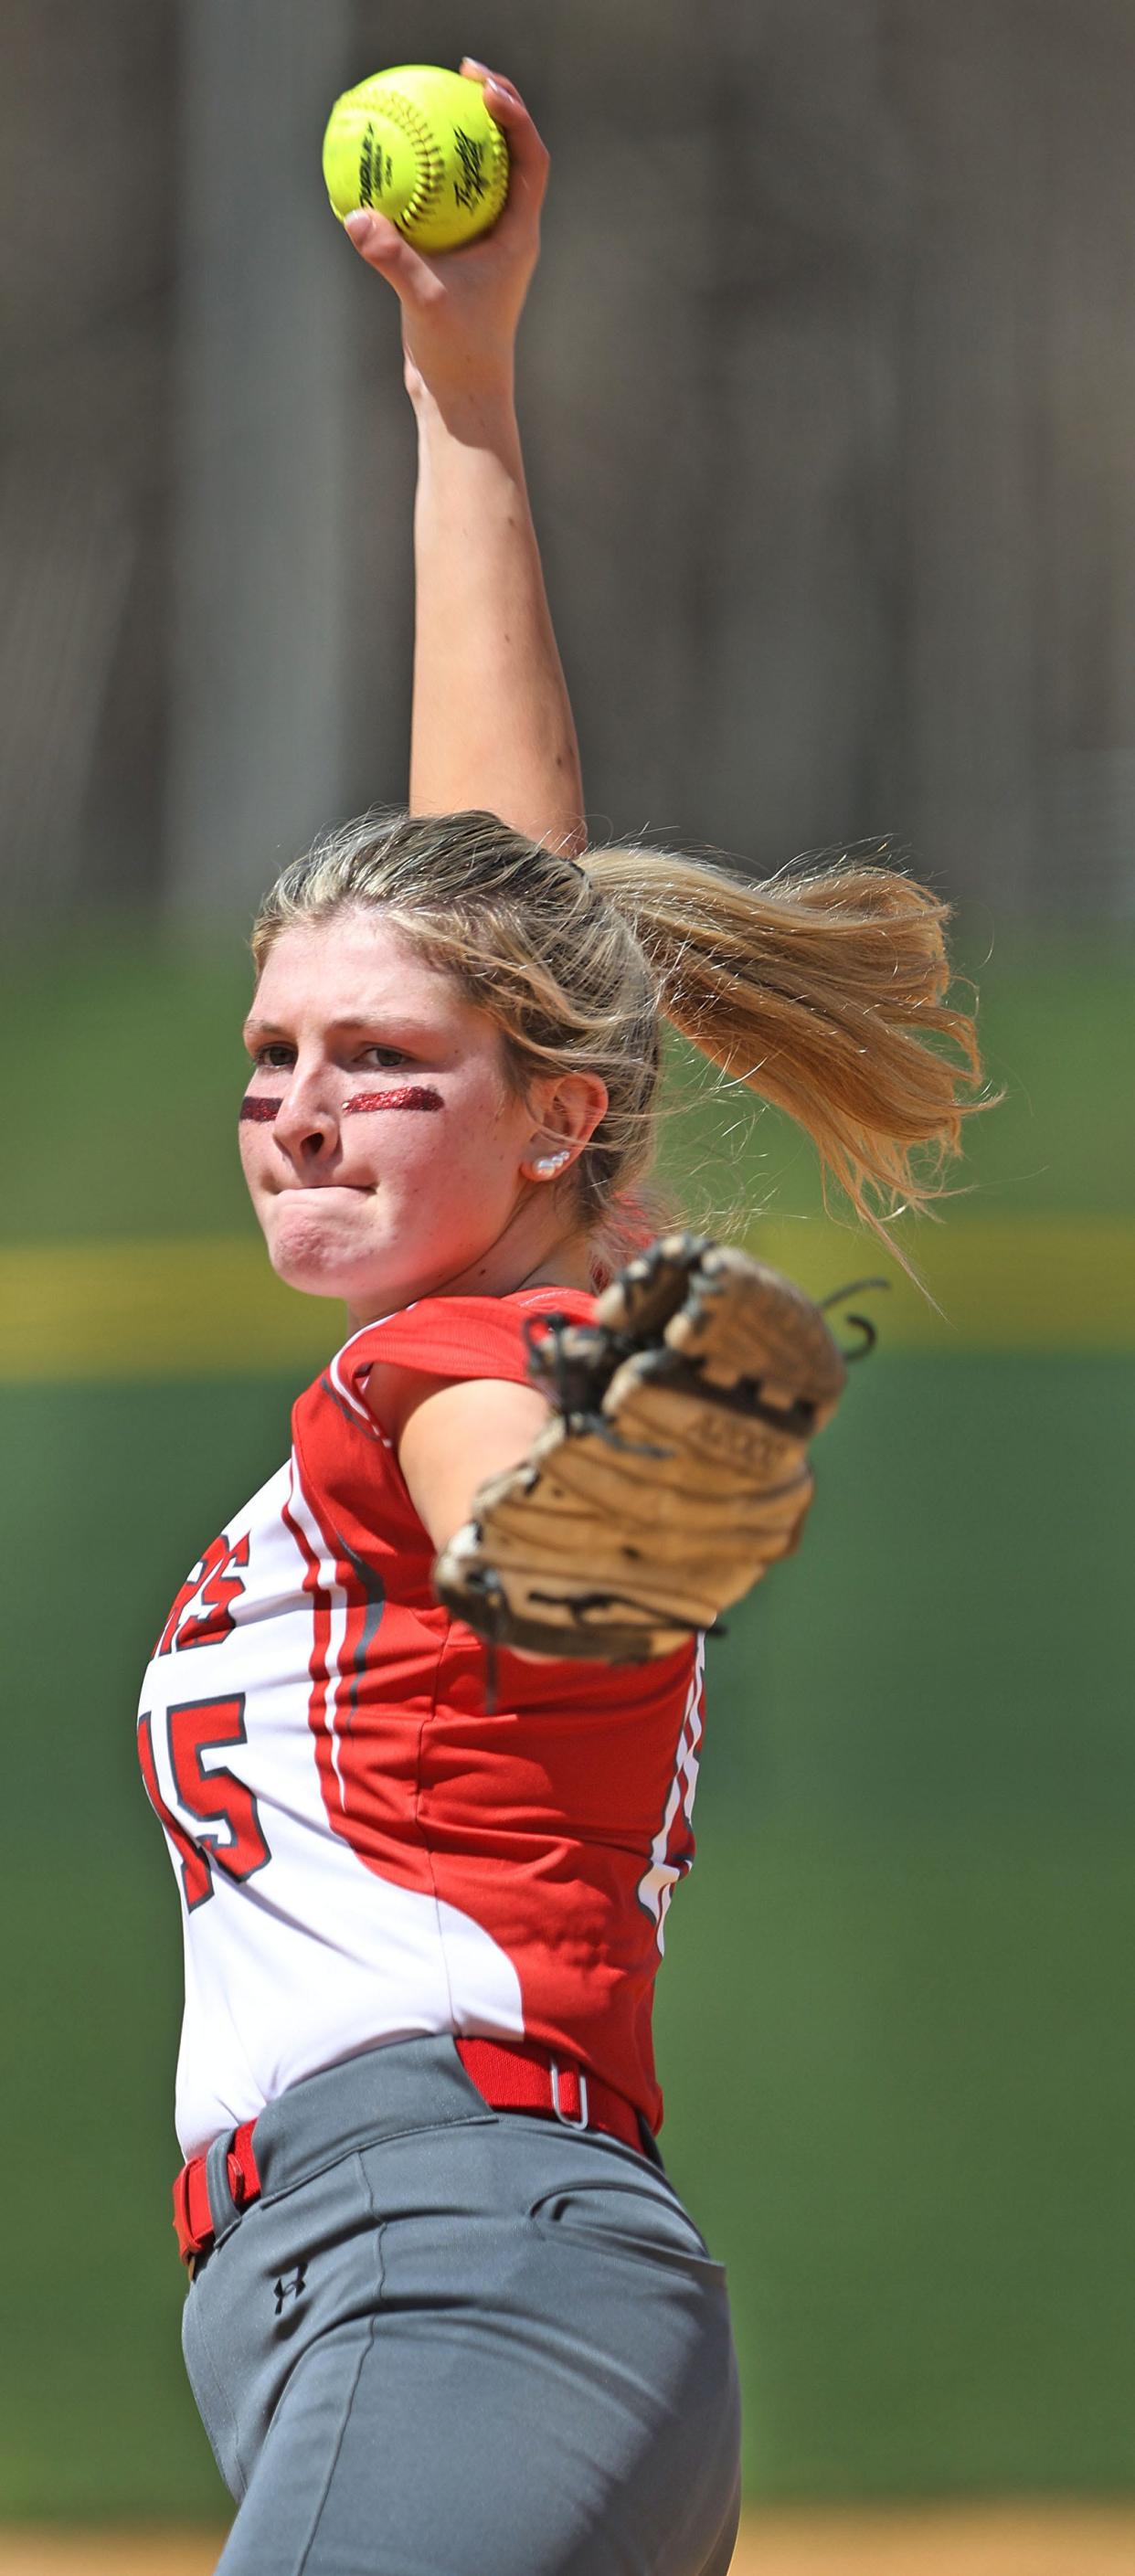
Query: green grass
x=901 y=2105
x=893 y=2014
x=126 y=1051
x=96 y=2421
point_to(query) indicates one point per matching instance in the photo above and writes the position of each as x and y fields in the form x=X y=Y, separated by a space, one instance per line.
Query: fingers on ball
x=373 y=234
x=502 y=95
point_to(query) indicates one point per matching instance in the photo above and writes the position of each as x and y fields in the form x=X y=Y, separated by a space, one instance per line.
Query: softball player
x=447 y=2316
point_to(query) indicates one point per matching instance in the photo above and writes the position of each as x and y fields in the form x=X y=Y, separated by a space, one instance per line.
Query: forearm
x=492 y=723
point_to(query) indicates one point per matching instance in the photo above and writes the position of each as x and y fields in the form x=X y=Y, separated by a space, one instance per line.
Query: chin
x=310 y=1256
x=319 y=1268
x=313 y=1278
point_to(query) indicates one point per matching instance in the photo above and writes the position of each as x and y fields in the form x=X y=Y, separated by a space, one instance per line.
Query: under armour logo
x=290 y=2285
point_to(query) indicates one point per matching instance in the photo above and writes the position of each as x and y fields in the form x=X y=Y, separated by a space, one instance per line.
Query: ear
x=568 y=1109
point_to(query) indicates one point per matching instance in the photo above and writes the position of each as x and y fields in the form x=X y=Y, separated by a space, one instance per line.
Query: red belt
x=512 y=2075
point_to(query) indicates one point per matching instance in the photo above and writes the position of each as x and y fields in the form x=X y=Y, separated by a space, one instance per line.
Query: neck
x=553 y=1257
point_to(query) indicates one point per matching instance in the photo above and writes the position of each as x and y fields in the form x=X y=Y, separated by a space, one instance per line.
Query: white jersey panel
x=298 y=1952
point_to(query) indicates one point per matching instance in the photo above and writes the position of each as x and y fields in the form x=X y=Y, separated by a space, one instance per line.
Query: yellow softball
x=420 y=146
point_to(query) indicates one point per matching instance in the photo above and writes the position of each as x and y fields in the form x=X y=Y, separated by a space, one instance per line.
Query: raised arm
x=492 y=724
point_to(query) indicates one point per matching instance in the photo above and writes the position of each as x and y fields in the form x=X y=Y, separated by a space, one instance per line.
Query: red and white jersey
x=363 y=1853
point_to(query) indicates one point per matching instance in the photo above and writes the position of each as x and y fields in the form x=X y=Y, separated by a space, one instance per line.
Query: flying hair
x=823 y=990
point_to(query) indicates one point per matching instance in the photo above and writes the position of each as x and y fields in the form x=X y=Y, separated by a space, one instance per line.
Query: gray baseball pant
x=450 y=2341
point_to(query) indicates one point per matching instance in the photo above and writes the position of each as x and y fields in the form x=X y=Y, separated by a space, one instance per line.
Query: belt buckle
x=566 y=2122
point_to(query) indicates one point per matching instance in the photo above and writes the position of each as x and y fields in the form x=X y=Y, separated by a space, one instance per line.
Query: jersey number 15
x=223 y=1806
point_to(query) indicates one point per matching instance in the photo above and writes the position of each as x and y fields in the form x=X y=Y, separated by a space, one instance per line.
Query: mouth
x=321 y=1189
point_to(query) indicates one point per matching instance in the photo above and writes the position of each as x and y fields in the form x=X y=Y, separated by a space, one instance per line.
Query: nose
x=306 y=1125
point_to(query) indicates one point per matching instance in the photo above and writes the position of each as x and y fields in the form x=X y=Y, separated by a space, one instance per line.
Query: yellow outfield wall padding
x=999 y=1283
x=209 y=1306
x=195 y=1306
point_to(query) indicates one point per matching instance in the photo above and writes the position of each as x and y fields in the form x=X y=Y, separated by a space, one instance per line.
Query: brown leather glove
x=674 y=1471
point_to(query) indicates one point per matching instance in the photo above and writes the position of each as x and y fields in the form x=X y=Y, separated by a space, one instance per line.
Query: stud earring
x=552 y=1162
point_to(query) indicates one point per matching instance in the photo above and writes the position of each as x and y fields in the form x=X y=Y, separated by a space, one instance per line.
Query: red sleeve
x=460 y=1337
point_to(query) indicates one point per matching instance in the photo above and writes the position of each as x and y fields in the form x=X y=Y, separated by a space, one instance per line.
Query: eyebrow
x=405 y=1028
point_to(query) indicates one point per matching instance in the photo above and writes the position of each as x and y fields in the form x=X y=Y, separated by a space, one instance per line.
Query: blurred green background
x=893 y=2009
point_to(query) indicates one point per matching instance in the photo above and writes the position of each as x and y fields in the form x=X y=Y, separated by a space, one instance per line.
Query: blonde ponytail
x=823 y=990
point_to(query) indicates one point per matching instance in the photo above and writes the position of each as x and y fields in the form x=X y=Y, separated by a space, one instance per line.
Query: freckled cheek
x=250 y=1146
x=256 y=1118
x=464 y=1156
x=483 y=1136
x=417 y=1154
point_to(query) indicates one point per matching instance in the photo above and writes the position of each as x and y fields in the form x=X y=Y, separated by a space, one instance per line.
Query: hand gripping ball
x=420 y=146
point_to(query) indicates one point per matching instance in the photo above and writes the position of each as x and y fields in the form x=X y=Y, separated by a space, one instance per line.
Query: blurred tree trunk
x=263 y=409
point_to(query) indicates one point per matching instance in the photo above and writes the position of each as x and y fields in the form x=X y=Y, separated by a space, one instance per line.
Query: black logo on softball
x=290 y=2285
x=470 y=187
x=376 y=169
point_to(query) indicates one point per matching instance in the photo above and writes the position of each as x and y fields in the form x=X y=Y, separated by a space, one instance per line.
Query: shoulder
x=390 y=1366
